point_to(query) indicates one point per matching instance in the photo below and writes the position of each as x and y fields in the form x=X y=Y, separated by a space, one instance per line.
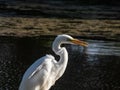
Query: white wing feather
x=37 y=73
x=36 y=66
x=41 y=65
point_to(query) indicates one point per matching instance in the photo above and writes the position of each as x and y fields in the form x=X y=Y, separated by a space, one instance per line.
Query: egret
x=44 y=72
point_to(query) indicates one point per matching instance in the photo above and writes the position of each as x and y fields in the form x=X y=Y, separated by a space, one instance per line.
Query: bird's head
x=70 y=40
x=66 y=39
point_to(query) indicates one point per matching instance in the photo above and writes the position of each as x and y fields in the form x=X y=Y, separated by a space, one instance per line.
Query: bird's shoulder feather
x=50 y=56
x=38 y=65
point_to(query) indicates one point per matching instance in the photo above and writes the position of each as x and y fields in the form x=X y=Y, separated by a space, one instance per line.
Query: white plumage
x=42 y=74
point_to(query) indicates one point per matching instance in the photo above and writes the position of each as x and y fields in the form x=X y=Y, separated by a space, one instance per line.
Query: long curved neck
x=56 y=46
x=61 y=51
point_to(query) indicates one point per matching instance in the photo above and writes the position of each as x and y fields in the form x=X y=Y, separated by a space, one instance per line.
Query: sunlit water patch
x=103 y=48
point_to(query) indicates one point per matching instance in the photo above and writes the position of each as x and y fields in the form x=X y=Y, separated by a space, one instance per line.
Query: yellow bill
x=80 y=42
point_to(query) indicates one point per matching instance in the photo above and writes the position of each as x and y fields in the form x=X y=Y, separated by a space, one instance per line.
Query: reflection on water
x=95 y=67
x=103 y=48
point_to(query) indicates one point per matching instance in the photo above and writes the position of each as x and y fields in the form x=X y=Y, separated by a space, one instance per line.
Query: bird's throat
x=56 y=47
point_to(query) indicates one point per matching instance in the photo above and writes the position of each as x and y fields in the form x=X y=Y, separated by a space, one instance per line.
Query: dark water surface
x=93 y=68
x=111 y=12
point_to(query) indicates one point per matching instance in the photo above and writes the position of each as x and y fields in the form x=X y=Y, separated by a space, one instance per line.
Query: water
x=95 y=67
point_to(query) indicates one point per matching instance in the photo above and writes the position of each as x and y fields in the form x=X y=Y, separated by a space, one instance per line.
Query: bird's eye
x=69 y=40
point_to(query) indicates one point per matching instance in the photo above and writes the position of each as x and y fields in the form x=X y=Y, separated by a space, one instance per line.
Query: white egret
x=42 y=74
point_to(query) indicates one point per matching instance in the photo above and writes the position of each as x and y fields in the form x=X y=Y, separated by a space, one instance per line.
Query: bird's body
x=42 y=74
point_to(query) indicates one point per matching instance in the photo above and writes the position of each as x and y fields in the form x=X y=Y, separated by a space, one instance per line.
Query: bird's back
x=37 y=74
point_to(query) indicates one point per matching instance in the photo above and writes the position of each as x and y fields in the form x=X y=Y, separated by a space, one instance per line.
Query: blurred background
x=28 y=28
x=93 y=18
